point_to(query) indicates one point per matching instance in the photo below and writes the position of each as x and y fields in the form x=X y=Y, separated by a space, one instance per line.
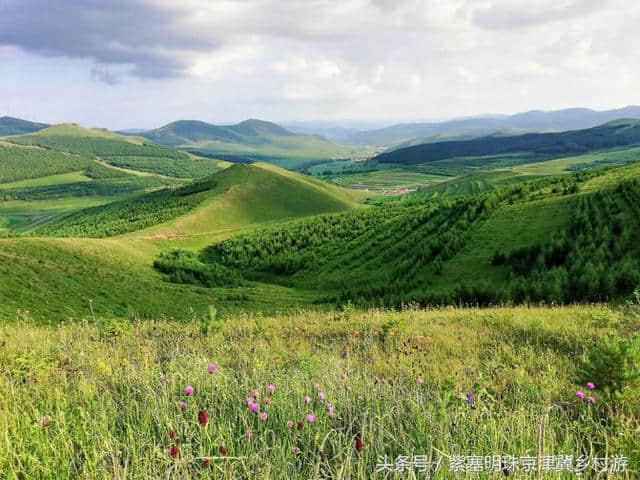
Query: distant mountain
x=533 y=121
x=251 y=140
x=16 y=126
x=617 y=133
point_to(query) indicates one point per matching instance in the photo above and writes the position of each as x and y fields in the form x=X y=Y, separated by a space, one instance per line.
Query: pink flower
x=250 y=400
x=213 y=368
x=307 y=399
x=592 y=400
x=271 y=389
x=580 y=394
x=189 y=390
x=254 y=407
x=321 y=396
x=316 y=386
x=310 y=418
x=263 y=416
x=591 y=385
x=329 y=409
x=255 y=392
x=182 y=405
x=289 y=423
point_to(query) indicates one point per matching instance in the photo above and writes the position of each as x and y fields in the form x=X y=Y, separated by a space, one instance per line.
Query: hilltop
x=17 y=126
x=251 y=140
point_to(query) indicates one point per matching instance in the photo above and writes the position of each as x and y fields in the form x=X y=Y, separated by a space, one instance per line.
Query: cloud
x=143 y=35
x=509 y=14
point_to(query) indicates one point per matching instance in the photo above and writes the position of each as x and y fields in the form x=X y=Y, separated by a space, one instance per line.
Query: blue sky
x=143 y=63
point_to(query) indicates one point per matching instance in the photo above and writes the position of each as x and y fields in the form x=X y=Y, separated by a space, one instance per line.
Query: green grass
x=99 y=399
x=59 y=179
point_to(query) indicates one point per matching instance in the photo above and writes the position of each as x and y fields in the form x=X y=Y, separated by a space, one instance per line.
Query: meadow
x=320 y=395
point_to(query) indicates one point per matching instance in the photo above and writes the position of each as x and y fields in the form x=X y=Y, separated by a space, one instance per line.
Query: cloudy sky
x=143 y=63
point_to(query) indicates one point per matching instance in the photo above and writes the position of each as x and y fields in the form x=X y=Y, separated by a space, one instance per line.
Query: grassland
x=100 y=399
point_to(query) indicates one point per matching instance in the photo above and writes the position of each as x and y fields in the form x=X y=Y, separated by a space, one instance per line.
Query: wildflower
x=255 y=393
x=271 y=389
x=203 y=418
x=254 y=407
x=580 y=394
x=295 y=449
x=591 y=385
x=316 y=386
x=300 y=425
x=420 y=381
x=307 y=399
x=206 y=463
x=329 y=409
x=173 y=451
x=359 y=444
x=469 y=399
x=250 y=400
x=289 y=423
x=321 y=396
x=263 y=416
x=592 y=400
x=310 y=418
x=213 y=368
x=267 y=400
x=223 y=451
x=172 y=434
x=189 y=390
x=248 y=433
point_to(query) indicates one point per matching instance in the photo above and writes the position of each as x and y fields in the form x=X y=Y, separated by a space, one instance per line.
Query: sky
x=143 y=63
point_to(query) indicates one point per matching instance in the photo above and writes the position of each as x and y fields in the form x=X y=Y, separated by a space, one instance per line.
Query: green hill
x=558 y=239
x=251 y=140
x=238 y=196
x=16 y=126
x=619 y=133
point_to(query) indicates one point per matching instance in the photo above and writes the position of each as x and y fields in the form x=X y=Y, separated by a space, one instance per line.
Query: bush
x=181 y=266
x=613 y=365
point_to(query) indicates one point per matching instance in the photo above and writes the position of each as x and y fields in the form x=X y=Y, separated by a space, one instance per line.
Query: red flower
x=359 y=444
x=202 y=418
x=223 y=451
x=173 y=451
x=206 y=463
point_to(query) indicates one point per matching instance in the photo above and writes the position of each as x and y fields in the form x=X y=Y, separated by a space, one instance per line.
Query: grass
x=59 y=179
x=99 y=399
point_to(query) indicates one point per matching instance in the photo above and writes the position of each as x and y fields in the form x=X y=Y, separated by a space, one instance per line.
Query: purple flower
x=263 y=416
x=310 y=418
x=329 y=409
x=254 y=407
x=182 y=405
x=189 y=390
x=592 y=400
x=307 y=399
x=469 y=399
x=271 y=389
x=213 y=368
x=591 y=385
x=321 y=396
x=250 y=400
x=580 y=394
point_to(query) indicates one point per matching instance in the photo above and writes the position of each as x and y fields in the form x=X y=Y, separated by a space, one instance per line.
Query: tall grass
x=100 y=399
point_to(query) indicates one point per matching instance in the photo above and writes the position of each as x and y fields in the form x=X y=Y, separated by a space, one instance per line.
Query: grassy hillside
x=17 y=126
x=251 y=140
x=101 y=399
x=238 y=196
x=614 y=134
x=557 y=239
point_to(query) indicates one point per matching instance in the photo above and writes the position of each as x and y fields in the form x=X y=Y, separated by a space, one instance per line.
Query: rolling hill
x=236 y=197
x=251 y=140
x=533 y=121
x=17 y=126
x=618 y=133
